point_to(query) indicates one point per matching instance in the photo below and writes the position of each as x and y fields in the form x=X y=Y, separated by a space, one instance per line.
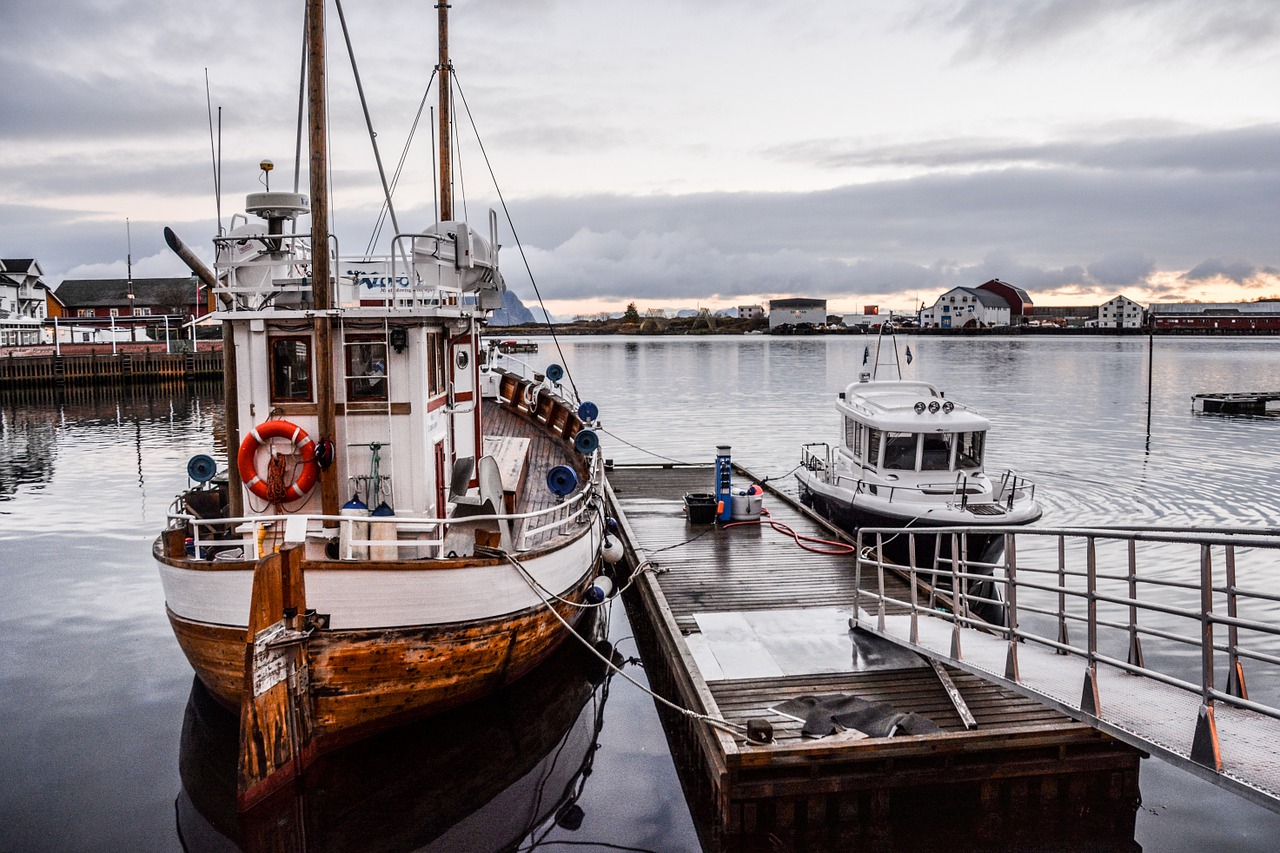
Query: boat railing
x=814 y=461
x=1014 y=488
x=258 y=270
x=1191 y=608
x=255 y=535
x=261 y=269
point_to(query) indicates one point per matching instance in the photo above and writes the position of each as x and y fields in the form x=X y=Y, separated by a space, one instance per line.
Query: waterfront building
x=966 y=308
x=1019 y=301
x=23 y=302
x=750 y=312
x=136 y=303
x=1120 y=312
x=1262 y=316
x=797 y=311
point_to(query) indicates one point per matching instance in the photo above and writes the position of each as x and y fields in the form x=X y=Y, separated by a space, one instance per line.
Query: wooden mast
x=443 y=70
x=321 y=274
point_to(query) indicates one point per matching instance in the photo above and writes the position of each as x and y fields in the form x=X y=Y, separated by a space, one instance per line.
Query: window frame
x=308 y=357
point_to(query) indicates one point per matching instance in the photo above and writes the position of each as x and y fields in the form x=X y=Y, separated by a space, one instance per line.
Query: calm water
x=94 y=691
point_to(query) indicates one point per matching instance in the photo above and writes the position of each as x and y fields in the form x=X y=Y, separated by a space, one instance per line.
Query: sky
x=684 y=153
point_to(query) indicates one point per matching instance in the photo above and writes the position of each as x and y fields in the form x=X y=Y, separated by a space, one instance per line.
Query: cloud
x=1002 y=27
x=1254 y=149
x=1212 y=268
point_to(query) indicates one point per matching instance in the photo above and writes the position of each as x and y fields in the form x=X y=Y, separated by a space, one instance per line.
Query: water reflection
x=502 y=772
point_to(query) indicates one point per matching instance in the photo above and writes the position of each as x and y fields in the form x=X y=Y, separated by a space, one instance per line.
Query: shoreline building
x=796 y=312
x=967 y=308
x=1215 y=316
x=24 y=302
x=133 y=305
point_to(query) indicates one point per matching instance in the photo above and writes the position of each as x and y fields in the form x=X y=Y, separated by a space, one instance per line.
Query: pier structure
x=136 y=364
x=744 y=629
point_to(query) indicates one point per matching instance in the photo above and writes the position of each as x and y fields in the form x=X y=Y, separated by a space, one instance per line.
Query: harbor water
x=108 y=746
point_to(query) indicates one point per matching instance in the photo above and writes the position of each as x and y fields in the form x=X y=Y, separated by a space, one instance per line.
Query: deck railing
x=1194 y=609
x=209 y=536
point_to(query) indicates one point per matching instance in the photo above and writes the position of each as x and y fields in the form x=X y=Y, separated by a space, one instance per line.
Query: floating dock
x=734 y=621
x=1237 y=403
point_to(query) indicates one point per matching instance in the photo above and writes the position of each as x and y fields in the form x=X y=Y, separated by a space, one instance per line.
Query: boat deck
x=529 y=492
x=737 y=619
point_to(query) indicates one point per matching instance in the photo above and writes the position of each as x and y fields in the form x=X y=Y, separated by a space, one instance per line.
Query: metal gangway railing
x=1165 y=638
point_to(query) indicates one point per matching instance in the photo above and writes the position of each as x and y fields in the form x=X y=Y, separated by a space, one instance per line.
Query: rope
x=277 y=487
x=641 y=449
x=511 y=224
x=725 y=725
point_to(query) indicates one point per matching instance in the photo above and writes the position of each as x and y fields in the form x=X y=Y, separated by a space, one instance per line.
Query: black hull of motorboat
x=931 y=553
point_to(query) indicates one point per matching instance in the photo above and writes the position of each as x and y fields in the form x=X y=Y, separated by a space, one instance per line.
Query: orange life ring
x=247 y=457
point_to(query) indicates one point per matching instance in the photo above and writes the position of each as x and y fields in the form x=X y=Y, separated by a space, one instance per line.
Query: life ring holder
x=303 y=445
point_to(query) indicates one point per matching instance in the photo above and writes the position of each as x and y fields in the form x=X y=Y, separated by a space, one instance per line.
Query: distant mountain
x=512 y=312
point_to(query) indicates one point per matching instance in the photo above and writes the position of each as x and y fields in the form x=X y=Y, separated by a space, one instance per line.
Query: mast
x=321 y=275
x=446 y=142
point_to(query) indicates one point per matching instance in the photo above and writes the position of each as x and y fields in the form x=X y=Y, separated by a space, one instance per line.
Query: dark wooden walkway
x=1021 y=754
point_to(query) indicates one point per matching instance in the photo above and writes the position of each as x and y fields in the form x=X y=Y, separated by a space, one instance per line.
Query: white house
x=966 y=307
x=23 y=302
x=1119 y=313
x=750 y=312
x=796 y=311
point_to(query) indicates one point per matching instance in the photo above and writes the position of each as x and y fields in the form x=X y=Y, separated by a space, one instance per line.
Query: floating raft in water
x=1237 y=403
x=739 y=624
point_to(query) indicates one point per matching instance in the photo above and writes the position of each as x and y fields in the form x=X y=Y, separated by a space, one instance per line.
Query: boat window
x=936 y=455
x=900 y=450
x=969 y=450
x=853 y=436
x=873 y=446
x=290 y=369
x=437 y=359
x=366 y=368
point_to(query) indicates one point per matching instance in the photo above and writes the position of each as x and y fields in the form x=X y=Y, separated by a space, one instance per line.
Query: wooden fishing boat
x=398 y=528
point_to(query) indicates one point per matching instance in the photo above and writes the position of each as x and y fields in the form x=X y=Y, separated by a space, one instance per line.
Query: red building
x=1020 y=306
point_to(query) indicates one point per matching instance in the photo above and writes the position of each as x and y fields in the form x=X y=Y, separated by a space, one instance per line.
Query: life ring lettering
x=246 y=461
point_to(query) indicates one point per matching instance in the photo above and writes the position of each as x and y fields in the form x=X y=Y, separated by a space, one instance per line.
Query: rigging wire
x=520 y=246
x=404 y=156
x=716 y=722
x=368 y=121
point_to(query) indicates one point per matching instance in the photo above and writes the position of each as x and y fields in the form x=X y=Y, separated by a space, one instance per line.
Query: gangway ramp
x=1167 y=625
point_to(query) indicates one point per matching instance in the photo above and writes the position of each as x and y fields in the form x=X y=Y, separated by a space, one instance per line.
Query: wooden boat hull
x=475 y=778
x=362 y=681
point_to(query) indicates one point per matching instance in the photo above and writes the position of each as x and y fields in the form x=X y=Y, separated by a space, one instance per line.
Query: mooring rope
x=716 y=722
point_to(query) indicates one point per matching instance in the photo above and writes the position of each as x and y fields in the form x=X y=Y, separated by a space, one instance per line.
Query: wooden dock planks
x=1021 y=755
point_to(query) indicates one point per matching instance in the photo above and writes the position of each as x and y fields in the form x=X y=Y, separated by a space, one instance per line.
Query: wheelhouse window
x=900 y=451
x=437 y=359
x=366 y=368
x=936 y=453
x=291 y=369
x=853 y=436
x=873 y=446
x=969 y=449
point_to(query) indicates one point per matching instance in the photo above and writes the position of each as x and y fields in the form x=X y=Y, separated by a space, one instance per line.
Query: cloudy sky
x=684 y=153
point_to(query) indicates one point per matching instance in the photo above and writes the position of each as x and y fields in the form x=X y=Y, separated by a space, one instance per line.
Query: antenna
x=213 y=150
x=128 y=236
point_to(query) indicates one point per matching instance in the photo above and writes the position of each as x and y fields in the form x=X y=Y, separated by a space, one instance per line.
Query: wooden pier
x=95 y=368
x=735 y=620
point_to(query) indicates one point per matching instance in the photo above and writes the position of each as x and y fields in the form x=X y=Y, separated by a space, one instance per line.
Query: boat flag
x=908 y=353
x=866 y=354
